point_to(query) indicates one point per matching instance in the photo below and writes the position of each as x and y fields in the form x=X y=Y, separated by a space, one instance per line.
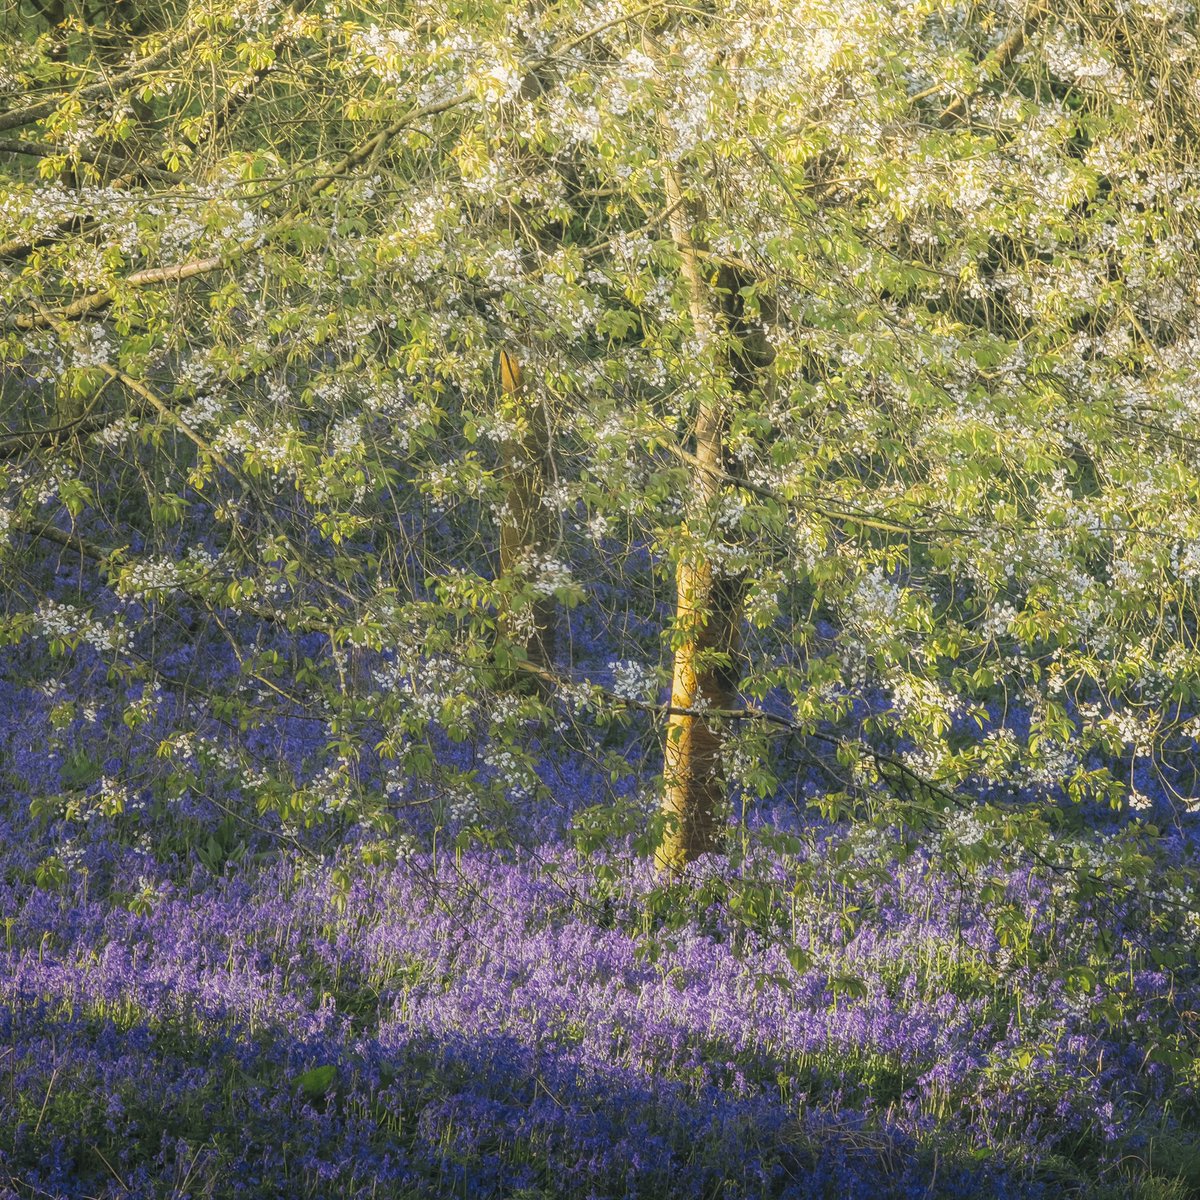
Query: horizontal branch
x=19 y=117
x=102 y=299
x=23 y=441
x=69 y=541
x=136 y=173
x=193 y=268
x=105 y=556
x=119 y=161
x=848 y=516
x=179 y=272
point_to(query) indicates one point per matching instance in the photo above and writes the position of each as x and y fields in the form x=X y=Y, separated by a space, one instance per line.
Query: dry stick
x=121 y=1183
x=46 y=1101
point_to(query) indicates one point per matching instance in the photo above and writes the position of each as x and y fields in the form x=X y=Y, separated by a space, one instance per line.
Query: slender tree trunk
x=708 y=605
x=708 y=613
x=527 y=524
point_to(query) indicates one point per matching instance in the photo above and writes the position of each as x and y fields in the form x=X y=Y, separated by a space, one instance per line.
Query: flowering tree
x=357 y=358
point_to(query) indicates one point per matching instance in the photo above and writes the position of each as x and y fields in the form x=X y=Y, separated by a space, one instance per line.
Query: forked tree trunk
x=527 y=524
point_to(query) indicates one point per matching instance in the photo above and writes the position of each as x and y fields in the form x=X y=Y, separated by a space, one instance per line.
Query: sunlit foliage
x=261 y=261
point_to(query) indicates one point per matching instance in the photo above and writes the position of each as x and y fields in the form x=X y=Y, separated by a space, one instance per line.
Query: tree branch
x=19 y=117
x=999 y=58
x=179 y=272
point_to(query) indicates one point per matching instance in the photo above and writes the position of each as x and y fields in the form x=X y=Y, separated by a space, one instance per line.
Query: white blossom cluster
x=70 y=624
x=385 y=53
x=151 y=575
x=346 y=438
x=517 y=778
x=599 y=526
x=111 y=800
x=548 y=574
x=252 y=15
x=90 y=346
x=1130 y=729
x=876 y=603
x=633 y=680
x=276 y=447
x=332 y=788
x=965 y=828
x=461 y=804
x=431 y=683
x=913 y=696
x=116 y=432
x=160 y=575
x=497 y=80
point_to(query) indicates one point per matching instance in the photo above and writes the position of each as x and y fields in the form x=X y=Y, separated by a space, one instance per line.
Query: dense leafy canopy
x=259 y=264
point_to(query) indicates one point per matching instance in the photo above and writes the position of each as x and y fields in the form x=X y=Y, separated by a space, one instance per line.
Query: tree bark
x=527 y=524
x=708 y=613
x=708 y=604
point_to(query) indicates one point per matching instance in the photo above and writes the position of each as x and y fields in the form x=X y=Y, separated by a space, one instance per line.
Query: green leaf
x=316 y=1082
x=800 y=959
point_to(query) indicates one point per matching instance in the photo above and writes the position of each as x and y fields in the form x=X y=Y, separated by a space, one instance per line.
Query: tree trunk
x=708 y=616
x=708 y=605
x=527 y=524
